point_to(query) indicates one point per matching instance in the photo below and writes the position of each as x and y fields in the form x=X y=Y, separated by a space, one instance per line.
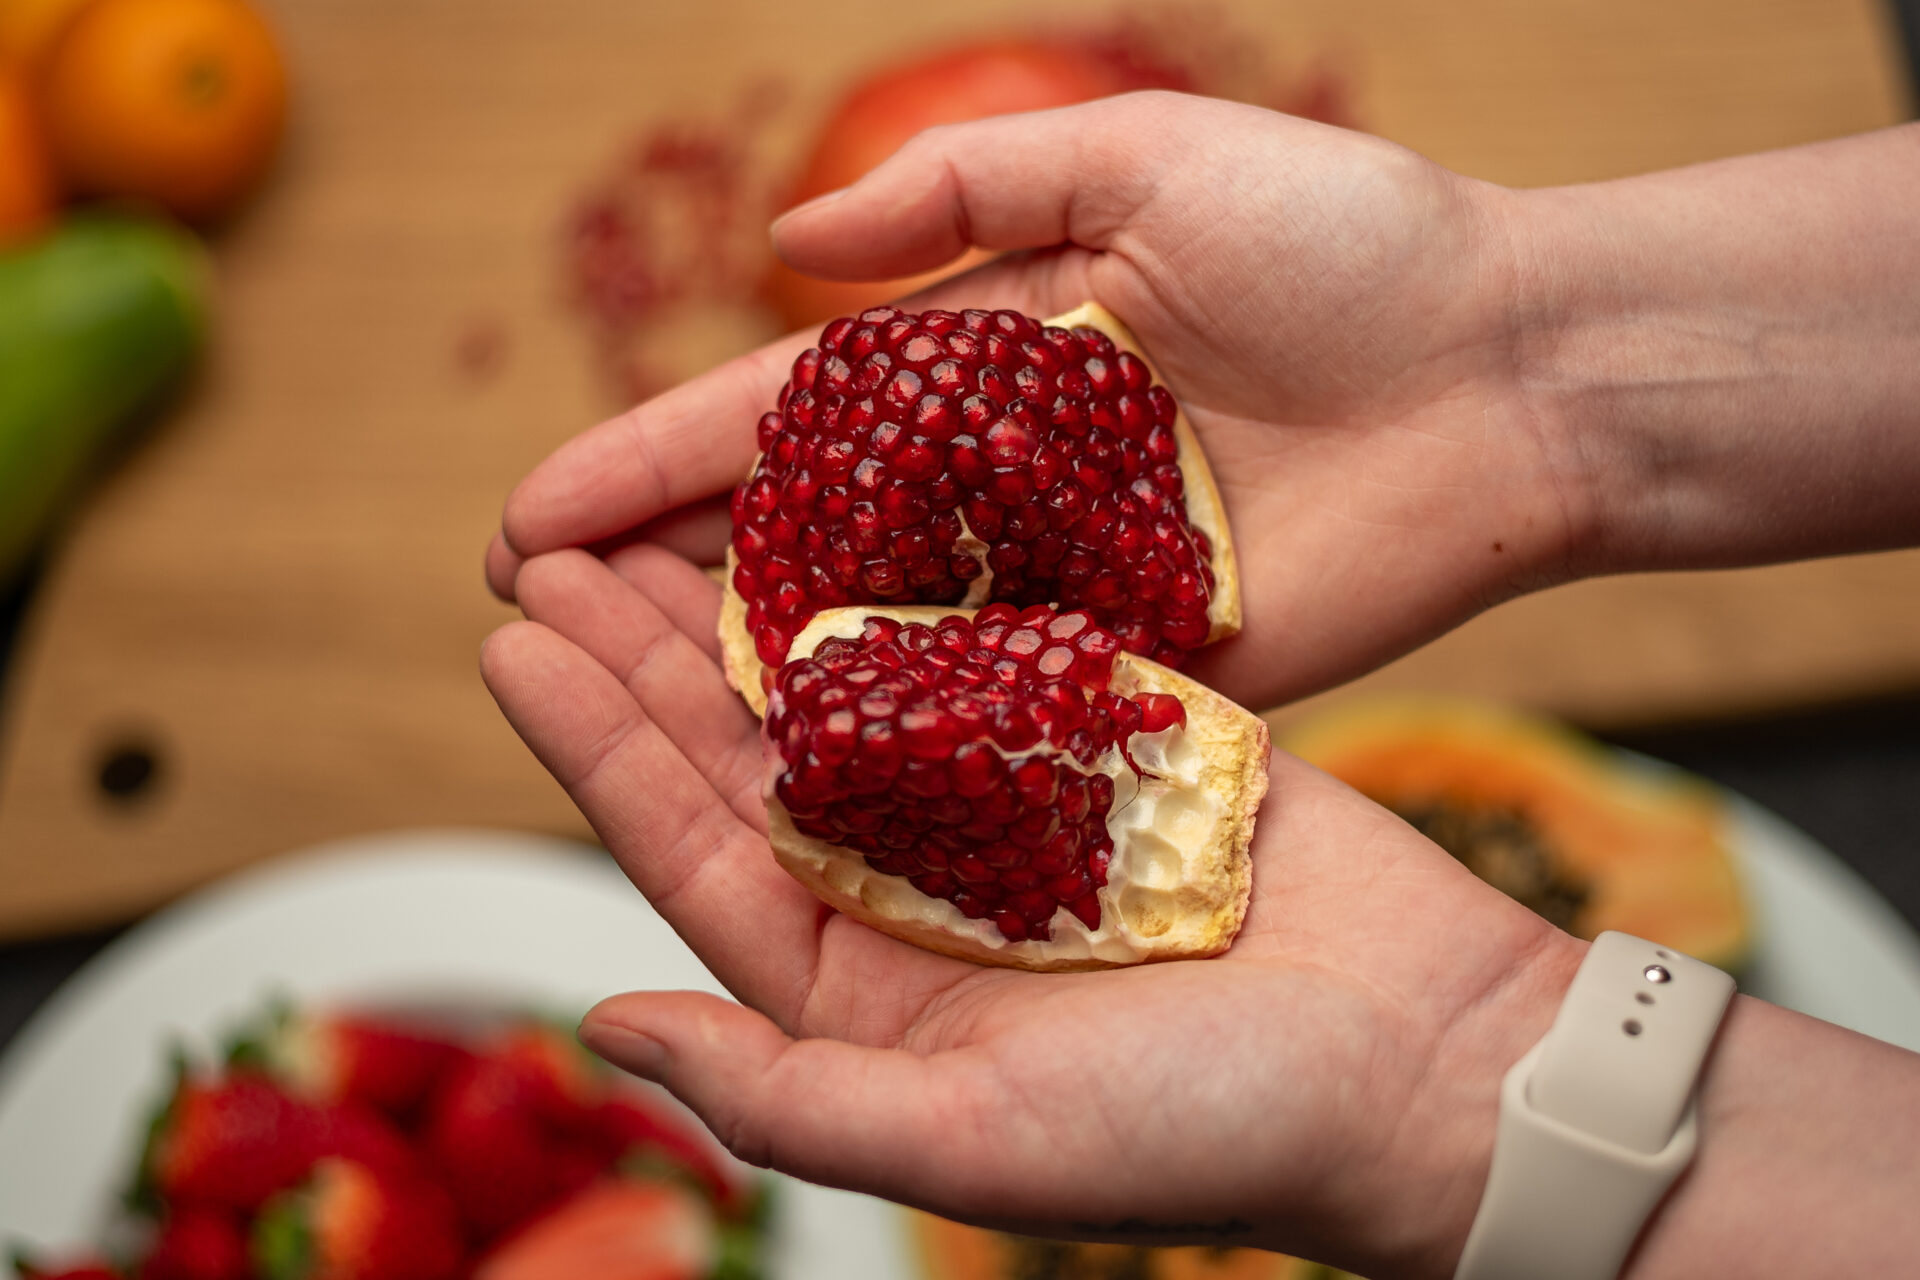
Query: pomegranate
x=962 y=458
x=879 y=113
x=1011 y=787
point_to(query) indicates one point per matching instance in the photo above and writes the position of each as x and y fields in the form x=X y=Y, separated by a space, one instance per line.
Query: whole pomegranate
x=881 y=112
x=1011 y=787
x=965 y=458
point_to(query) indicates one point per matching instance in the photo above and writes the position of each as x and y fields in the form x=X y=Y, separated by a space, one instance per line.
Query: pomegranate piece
x=985 y=761
x=957 y=458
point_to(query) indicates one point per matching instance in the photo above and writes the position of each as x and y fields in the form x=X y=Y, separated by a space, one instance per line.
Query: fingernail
x=818 y=202
x=631 y=1051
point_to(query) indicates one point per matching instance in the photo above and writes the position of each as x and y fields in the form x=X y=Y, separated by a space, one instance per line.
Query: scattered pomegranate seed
x=959 y=756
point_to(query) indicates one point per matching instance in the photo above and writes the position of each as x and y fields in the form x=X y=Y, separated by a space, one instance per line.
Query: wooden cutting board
x=277 y=603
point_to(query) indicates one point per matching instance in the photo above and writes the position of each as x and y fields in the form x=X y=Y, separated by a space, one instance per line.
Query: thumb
x=823 y=1110
x=1070 y=175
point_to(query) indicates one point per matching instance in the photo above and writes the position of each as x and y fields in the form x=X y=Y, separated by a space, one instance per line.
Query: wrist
x=1425 y=1183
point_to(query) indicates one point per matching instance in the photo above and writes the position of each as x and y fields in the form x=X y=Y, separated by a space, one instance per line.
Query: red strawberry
x=377 y=1062
x=353 y=1223
x=639 y=1133
x=365 y=1136
x=564 y=1082
x=235 y=1141
x=230 y=1142
x=509 y=1130
x=198 y=1244
x=614 y=1231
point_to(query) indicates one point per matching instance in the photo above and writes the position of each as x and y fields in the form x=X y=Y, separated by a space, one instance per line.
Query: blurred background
x=293 y=291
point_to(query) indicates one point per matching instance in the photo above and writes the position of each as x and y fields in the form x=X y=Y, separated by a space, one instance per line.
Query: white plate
x=554 y=924
x=1829 y=945
x=525 y=919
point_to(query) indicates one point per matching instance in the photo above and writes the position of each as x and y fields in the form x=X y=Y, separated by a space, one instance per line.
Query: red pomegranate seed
x=953 y=755
x=1160 y=711
x=1056 y=450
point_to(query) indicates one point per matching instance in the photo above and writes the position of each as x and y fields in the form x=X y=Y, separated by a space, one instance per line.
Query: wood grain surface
x=280 y=596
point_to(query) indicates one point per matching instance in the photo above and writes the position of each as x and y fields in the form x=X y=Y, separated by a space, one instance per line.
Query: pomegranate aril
x=1087 y=909
x=1159 y=712
x=895 y=749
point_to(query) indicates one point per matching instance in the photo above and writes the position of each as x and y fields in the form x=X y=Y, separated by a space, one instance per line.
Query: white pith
x=980 y=590
x=1164 y=891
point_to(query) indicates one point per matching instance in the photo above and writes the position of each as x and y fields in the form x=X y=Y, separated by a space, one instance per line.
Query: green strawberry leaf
x=283 y=1238
x=142 y=1195
x=255 y=1042
x=741 y=1254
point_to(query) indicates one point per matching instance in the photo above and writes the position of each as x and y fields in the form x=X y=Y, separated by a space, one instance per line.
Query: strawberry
x=351 y=1222
x=198 y=1244
x=641 y=1137
x=564 y=1082
x=347 y=1057
x=361 y=1134
x=510 y=1130
x=619 y=1230
x=229 y=1142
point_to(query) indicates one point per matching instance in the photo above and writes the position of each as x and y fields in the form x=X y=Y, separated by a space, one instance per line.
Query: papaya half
x=99 y=319
x=1587 y=836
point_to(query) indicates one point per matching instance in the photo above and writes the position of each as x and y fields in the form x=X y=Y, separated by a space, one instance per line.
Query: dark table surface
x=1847 y=776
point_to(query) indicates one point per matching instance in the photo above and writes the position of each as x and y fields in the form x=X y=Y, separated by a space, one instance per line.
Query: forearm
x=1728 y=356
x=1806 y=1164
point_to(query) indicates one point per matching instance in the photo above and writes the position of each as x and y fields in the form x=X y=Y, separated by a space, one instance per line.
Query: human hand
x=1390 y=465
x=1331 y=310
x=1327 y=1086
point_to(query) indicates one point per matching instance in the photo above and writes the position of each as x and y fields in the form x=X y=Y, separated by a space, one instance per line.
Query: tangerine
x=180 y=102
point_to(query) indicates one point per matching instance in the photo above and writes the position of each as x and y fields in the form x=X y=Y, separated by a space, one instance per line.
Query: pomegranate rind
x=741 y=662
x=1183 y=907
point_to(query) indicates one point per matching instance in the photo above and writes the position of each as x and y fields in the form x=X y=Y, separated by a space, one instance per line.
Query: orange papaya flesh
x=1633 y=846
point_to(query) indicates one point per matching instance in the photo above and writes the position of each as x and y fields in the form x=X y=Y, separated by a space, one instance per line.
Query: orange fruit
x=28 y=29
x=26 y=179
x=175 y=101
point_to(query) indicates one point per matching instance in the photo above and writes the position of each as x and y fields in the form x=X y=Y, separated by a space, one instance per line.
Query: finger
x=698 y=532
x=684 y=445
x=1069 y=176
x=687 y=596
x=674 y=682
x=824 y=1110
x=501 y=566
x=703 y=869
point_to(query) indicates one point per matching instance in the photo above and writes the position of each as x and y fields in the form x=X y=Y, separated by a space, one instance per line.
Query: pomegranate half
x=962 y=458
x=1011 y=787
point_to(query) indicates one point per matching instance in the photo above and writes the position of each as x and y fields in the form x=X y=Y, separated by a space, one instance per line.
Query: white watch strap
x=1597 y=1119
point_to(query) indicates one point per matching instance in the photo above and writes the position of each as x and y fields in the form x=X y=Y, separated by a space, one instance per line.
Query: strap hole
x=1631 y=1026
x=1643 y=997
x=1663 y=955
